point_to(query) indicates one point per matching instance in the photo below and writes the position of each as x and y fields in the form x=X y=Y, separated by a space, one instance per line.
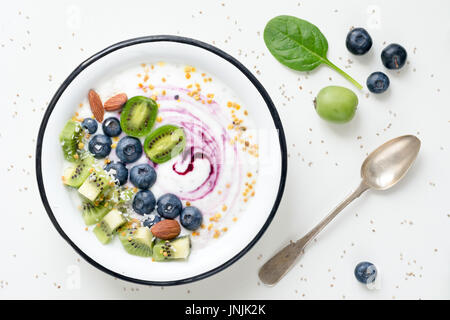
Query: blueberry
x=377 y=82
x=169 y=206
x=394 y=56
x=151 y=220
x=111 y=127
x=143 y=176
x=358 y=41
x=144 y=202
x=129 y=149
x=100 y=146
x=191 y=218
x=120 y=172
x=90 y=125
x=365 y=272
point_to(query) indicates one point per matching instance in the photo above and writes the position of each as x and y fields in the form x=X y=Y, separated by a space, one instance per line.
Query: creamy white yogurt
x=218 y=169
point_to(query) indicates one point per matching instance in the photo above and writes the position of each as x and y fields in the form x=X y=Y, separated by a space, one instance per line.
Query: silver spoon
x=382 y=169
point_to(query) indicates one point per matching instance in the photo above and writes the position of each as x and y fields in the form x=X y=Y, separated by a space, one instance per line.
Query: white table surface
x=404 y=231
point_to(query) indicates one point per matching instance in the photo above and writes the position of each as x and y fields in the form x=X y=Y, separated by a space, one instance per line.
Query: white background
x=404 y=231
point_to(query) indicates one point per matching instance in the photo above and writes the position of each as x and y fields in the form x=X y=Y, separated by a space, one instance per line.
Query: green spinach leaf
x=299 y=45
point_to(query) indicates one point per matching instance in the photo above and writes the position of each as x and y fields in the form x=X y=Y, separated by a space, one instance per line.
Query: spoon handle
x=277 y=266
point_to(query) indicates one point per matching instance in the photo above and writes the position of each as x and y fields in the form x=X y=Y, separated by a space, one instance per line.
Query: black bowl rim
x=184 y=40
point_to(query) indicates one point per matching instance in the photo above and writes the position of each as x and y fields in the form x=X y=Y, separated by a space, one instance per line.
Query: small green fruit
x=336 y=104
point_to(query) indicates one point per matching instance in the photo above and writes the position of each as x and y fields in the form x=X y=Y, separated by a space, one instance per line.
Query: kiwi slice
x=70 y=137
x=75 y=175
x=178 y=248
x=136 y=240
x=165 y=143
x=92 y=214
x=106 y=229
x=138 y=116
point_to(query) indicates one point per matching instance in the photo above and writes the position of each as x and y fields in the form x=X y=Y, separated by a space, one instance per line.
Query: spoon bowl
x=388 y=164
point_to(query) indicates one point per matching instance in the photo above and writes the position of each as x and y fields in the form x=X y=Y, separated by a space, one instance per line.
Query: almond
x=116 y=102
x=166 y=229
x=96 y=105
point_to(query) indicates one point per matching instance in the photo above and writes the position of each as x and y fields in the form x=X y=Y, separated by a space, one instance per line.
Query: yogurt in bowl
x=233 y=166
x=217 y=170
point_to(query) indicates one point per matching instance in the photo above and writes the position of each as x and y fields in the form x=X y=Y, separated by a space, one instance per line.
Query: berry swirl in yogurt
x=217 y=170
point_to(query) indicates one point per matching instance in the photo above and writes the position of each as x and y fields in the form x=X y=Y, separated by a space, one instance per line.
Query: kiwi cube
x=102 y=236
x=106 y=229
x=89 y=190
x=98 y=183
x=75 y=175
x=70 y=138
x=137 y=241
x=92 y=214
x=175 y=249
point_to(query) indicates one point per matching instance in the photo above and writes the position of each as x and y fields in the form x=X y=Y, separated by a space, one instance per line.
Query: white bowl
x=223 y=251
